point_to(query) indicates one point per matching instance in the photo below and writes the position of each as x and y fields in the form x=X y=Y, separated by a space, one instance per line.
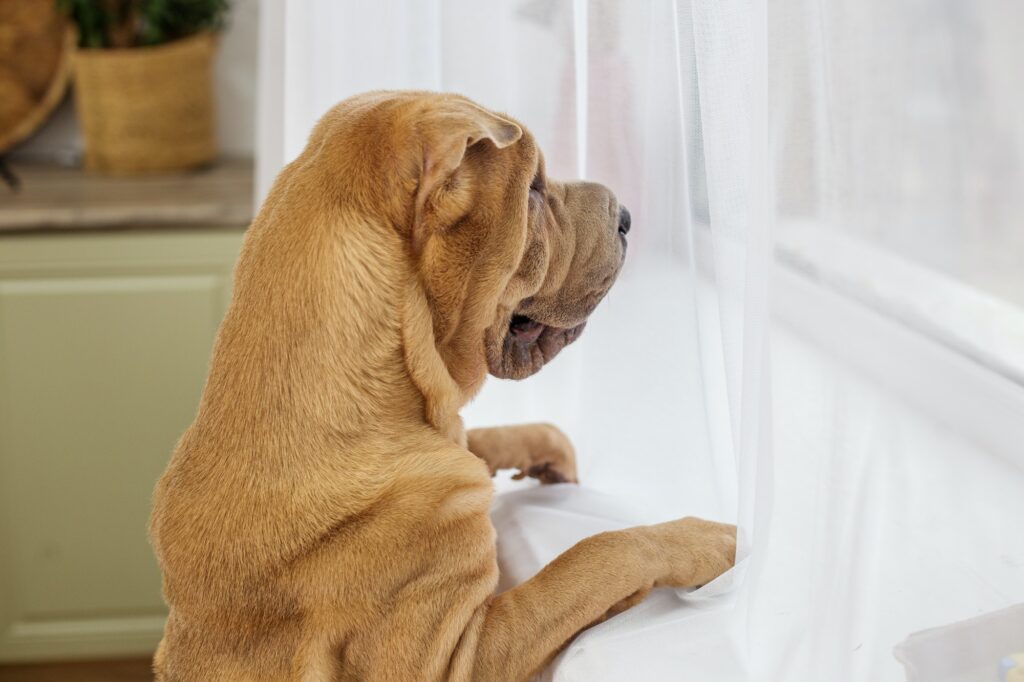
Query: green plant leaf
x=150 y=22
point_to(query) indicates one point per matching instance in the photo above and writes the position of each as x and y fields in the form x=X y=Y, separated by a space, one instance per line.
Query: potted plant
x=143 y=82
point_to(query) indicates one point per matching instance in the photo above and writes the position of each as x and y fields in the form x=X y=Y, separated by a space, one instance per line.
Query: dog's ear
x=448 y=133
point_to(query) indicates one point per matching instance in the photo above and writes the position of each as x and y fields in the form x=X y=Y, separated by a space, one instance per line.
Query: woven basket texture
x=36 y=48
x=147 y=109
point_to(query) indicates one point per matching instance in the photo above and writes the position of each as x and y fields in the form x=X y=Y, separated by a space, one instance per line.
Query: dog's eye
x=537 y=187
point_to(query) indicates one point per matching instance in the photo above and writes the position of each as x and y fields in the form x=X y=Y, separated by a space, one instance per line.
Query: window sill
x=948 y=349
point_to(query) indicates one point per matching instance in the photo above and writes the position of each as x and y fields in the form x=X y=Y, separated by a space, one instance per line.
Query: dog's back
x=337 y=597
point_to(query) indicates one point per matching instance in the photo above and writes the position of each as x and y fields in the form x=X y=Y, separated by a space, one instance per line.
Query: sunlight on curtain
x=903 y=127
x=666 y=394
x=899 y=142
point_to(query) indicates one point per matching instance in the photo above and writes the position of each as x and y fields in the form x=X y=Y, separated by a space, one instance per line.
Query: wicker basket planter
x=36 y=48
x=147 y=109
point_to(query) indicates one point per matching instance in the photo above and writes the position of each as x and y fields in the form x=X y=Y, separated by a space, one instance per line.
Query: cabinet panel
x=102 y=359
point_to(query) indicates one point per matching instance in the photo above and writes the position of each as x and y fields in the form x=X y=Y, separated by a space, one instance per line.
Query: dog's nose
x=624 y=221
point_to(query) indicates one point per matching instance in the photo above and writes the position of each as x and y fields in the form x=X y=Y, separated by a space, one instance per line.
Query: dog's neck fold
x=442 y=395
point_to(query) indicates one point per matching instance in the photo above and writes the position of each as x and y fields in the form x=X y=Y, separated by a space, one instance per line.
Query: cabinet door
x=104 y=342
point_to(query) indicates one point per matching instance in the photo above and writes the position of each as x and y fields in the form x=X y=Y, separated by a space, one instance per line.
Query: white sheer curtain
x=666 y=394
x=886 y=140
x=898 y=159
x=900 y=124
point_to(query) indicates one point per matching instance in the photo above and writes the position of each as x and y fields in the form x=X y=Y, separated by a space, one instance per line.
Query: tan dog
x=322 y=518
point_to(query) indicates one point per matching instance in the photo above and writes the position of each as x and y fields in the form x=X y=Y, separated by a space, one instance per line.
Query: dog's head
x=512 y=261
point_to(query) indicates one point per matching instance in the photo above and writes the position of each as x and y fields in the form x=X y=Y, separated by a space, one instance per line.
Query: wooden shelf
x=56 y=198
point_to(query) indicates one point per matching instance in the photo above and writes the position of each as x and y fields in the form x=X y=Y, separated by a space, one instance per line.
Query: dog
x=325 y=517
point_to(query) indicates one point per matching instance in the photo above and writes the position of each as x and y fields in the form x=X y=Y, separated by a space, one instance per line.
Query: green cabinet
x=104 y=342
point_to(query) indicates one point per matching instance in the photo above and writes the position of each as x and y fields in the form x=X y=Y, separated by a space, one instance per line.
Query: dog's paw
x=694 y=551
x=546 y=472
x=550 y=457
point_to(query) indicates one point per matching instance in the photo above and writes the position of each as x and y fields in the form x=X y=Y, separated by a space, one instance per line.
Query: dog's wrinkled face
x=512 y=261
x=531 y=255
x=576 y=244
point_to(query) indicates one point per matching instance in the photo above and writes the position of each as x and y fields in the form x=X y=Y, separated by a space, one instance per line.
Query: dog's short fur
x=326 y=517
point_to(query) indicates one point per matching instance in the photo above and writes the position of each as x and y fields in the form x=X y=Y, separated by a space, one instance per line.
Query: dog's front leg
x=538 y=450
x=522 y=629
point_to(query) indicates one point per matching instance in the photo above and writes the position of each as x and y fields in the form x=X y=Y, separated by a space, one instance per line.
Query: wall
x=235 y=81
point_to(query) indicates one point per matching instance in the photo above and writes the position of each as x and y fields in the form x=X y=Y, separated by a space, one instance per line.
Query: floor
x=131 y=670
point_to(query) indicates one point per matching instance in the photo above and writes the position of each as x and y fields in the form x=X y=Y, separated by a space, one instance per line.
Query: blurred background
x=818 y=335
